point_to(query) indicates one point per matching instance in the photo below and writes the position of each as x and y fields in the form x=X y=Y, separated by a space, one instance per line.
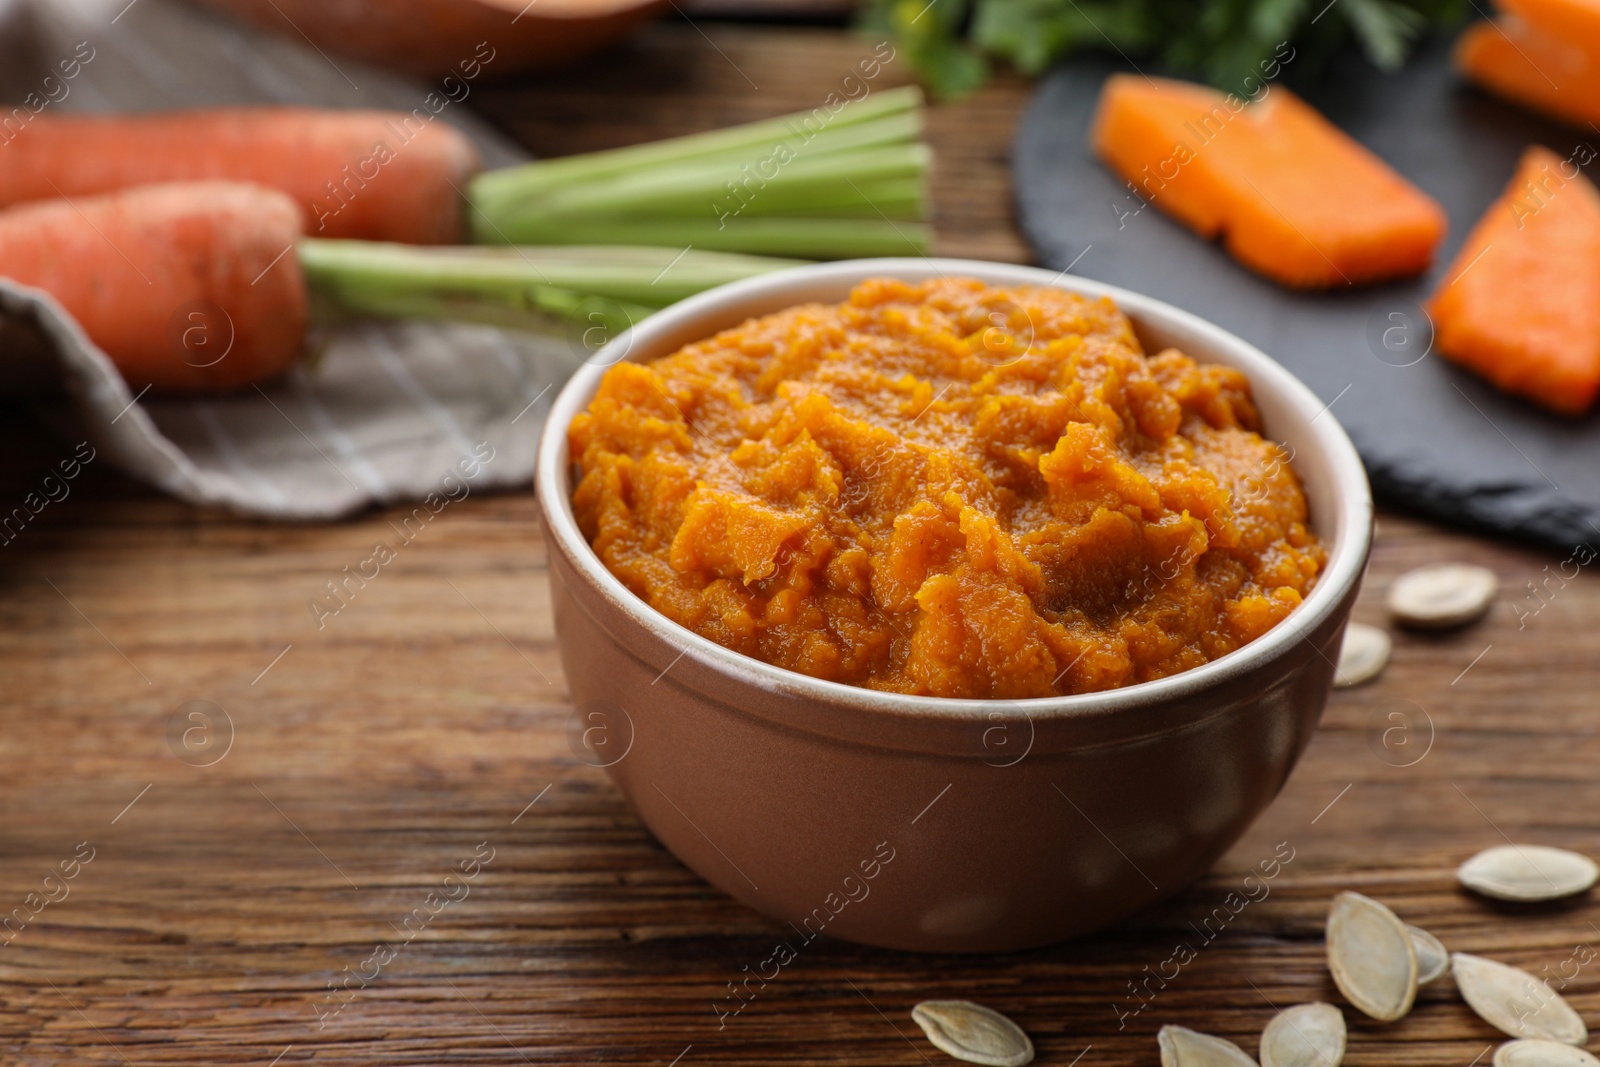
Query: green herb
x=538 y=289
x=1224 y=42
x=827 y=183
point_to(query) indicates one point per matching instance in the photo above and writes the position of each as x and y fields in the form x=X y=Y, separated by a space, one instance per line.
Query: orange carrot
x=1534 y=67
x=372 y=175
x=1290 y=195
x=185 y=286
x=1521 y=303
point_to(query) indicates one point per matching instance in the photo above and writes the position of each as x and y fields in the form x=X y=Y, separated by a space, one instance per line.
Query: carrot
x=186 y=286
x=847 y=178
x=208 y=285
x=1533 y=67
x=376 y=175
x=1289 y=194
x=1521 y=303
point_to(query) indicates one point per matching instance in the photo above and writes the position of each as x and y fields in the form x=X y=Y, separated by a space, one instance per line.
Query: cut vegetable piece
x=1146 y=131
x=1521 y=303
x=1577 y=21
x=1290 y=195
x=375 y=175
x=1533 y=67
x=185 y=286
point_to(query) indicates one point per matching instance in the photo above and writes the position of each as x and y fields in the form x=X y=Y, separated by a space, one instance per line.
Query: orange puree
x=946 y=489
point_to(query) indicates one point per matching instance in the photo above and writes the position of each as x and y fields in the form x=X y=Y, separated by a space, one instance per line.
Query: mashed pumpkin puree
x=946 y=489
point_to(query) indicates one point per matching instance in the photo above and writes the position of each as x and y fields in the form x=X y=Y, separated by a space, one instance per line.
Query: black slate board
x=1435 y=438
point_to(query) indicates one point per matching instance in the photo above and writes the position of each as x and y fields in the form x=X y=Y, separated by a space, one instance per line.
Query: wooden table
x=427 y=723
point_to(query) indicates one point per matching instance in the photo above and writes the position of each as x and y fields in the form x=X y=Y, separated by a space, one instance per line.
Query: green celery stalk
x=545 y=179
x=817 y=185
x=545 y=310
x=892 y=198
x=490 y=190
x=806 y=238
x=522 y=288
x=684 y=190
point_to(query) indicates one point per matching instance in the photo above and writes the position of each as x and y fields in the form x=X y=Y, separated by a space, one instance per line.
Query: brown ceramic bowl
x=431 y=38
x=937 y=824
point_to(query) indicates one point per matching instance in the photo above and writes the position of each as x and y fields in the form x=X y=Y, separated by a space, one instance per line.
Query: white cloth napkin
x=388 y=412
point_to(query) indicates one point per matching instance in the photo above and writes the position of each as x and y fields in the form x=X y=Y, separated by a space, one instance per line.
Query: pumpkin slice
x=1291 y=195
x=1533 y=67
x=1521 y=303
x=1576 y=21
x=1144 y=130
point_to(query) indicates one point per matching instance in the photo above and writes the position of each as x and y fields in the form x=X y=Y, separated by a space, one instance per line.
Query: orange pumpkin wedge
x=1290 y=195
x=1533 y=67
x=1521 y=303
x=1577 y=21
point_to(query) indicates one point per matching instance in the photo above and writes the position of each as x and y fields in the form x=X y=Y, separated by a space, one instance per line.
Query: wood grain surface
x=426 y=725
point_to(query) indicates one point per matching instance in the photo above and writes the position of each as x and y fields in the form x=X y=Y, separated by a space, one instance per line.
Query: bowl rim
x=1349 y=528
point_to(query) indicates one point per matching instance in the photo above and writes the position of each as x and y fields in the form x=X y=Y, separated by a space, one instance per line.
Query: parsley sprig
x=953 y=42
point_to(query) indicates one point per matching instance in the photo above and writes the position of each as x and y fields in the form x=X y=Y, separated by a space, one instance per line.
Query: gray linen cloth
x=385 y=413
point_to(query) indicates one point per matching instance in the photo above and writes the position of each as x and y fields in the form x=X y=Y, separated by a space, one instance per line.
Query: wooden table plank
x=383 y=749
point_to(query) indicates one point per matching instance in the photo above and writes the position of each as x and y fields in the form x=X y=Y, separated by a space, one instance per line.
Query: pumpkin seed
x=1371 y=957
x=1433 y=959
x=1514 y=1001
x=1535 y=1053
x=1363 y=656
x=1183 y=1047
x=973 y=1033
x=1442 y=595
x=1528 y=872
x=1306 y=1035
